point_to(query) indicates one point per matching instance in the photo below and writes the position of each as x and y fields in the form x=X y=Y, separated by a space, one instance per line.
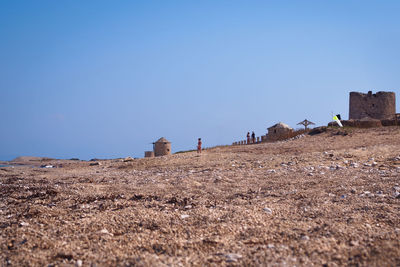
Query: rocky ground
x=331 y=199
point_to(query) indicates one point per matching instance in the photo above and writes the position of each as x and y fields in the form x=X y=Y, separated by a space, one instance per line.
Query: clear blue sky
x=106 y=78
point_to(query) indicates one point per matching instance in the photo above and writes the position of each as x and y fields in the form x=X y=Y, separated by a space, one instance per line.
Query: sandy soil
x=331 y=199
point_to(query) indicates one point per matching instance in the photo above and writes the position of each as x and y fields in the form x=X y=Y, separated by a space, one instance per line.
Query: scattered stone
x=267 y=210
x=24 y=224
x=105 y=232
x=354 y=164
x=354 y=243
x=128 y=159
x=367 y=193
x=47 y=166
x=184 y=216
x=232 y=257
x=305 y=238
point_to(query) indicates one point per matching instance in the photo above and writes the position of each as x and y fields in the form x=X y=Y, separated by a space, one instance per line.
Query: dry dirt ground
x=326 y=200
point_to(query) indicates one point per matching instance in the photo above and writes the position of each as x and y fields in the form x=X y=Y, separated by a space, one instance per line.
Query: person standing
x=248 y=137
x=253 y=136
x=199 y=146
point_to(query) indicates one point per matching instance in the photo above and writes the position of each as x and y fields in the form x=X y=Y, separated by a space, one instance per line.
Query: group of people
x=253 y=138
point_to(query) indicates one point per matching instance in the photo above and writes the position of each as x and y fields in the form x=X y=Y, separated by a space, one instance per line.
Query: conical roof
x=162 y=140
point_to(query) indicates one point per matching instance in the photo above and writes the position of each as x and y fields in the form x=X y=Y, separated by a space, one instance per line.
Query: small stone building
x=149 y=154
x=162 y=147
x=279 y=131
x=380 y=106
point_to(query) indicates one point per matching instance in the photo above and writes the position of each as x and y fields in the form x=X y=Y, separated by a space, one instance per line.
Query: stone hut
x=162 y=147
x=149 y=154
x=279 y=131
x=380 y=106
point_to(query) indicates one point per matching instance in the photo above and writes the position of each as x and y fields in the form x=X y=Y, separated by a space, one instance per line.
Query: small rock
x=354 y=243
x=305 y=238
x=270 y=246
x=79 y=263
x=343 y=196
x=310 y=174
x=24 y=224
x=354 y=164
x=188 y=207
x=47 y=166
x=267 y=210
x=106 y=232
x=184 y=216
x=128 y=159
x=232 y=257
x=353 y=191
x=95 y=164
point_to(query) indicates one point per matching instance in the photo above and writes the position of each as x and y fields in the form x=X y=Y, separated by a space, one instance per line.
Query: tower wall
x=381 y=105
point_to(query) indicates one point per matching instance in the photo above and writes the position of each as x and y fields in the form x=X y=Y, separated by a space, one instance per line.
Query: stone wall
x=381 y=105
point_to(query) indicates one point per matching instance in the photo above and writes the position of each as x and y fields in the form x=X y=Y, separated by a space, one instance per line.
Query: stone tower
x=162 y=147
x=381 y=105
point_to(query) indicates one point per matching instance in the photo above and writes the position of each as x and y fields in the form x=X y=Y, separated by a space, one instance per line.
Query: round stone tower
x=162 y=147
x=381 y=105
